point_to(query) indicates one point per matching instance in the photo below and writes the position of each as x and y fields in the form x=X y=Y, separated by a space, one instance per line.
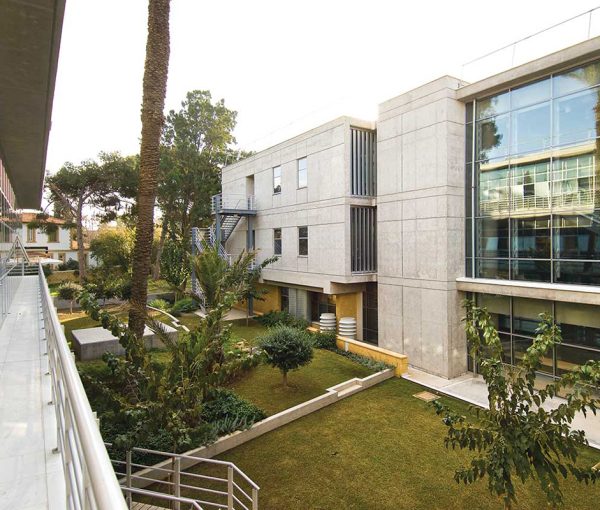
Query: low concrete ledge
x=92 y=343
x=397 y=360
x=148 y=476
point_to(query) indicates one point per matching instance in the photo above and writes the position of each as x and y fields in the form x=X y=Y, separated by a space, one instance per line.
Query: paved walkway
x=31 y=475
x=473 y=389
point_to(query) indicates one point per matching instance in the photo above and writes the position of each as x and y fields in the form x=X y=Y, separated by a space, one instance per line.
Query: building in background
x=486 y=190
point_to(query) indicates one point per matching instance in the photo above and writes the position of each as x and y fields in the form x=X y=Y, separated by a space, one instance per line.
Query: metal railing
x=12 y=269
x=233 y=490
x=580 y=201
x=89 y=478
x=233 y=201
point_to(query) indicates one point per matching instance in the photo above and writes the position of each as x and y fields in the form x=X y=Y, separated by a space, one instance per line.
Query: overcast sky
x=284 y=66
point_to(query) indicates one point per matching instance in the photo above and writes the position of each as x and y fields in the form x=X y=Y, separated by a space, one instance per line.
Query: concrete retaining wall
x=331 y=396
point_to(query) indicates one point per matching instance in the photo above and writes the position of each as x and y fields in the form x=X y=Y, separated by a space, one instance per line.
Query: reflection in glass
x=584 y=273
x=530 y=189
x=530 y=129
x=532 y=270
x=493 y=190
x=493 y=105
x=531 y=237
x=530 y=94
x=577 y=79
x=493 y=237
x=493 y=137
x=580 y=324
x=573 y=184
x=496 y=269
x=575 y=117
x=577 y=237
x=568 y=358
x=526 y=314
x=521 y=344
x=498 y=308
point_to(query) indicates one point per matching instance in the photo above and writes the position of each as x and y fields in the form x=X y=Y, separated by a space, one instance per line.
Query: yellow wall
x=347 y=305
x=271 y=300
x=399 y=361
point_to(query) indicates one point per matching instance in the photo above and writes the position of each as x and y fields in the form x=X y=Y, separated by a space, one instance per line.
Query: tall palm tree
x=154 y=90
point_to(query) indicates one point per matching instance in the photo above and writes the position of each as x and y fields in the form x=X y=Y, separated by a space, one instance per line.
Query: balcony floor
x=31 y=476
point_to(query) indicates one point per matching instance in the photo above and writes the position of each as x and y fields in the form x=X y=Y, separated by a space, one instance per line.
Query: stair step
x=350 y=390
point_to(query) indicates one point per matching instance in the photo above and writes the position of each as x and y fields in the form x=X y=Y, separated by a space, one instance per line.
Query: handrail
x=160 y=495
x=89 y=476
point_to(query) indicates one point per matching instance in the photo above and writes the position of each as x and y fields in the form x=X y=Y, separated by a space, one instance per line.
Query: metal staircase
x=227 y=210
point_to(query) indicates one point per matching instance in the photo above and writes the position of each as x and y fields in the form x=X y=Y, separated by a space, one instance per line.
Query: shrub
x=324 y=340
x=69 y=265
x=69 y=292
x=281 y=317
x=184 y=305
x=161 y=304
x=227 y=412
x=47 y=270
x=286 y=348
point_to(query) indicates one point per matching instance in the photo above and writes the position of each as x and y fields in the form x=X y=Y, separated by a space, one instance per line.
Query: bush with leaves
x=174 y=266
x=286 y=348
x=161 y=304
x=69 y=265
x=185 y=305
x=324 y=340
x=69 y=291
x=227 y=411
x=516 y=438
x=281 y=317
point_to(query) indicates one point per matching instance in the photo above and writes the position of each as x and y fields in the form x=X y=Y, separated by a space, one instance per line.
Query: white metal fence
x=89 y=477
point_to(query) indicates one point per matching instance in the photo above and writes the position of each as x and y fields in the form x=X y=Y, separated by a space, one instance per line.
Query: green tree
x=287 y=349
x=156 y=70
x=112 y=248
x=175 y=268
x=197 y=142
x=69 y=292
x=103 y=185
x=516 y=438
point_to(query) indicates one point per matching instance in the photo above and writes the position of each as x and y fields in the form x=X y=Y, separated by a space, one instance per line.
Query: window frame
x=54 y=235
x=300 y=239
x=275 y=239
x=31 y=234
x=305 y=170
x=278 y=167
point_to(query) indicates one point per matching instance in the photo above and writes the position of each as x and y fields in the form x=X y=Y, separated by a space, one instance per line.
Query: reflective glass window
x=493 y=237
x=575 y=117
x=494 y=105
x=530 y=94
x=521 y=344
x=531 y=237
x=580 y=272
x=302 y=173
x=496 y=269
x=532 y=270
x=494 y=188
x=568 y=358
x=577 y=79
x=498 y=308
x=580 y=324
x=530 y=129
x=493 y=137
x=526 y=314
x=530 y=188
x=303 y=241
x=276 y=180
x=577 y=237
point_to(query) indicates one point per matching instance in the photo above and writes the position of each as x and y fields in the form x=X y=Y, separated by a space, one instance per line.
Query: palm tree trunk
x=156 y=70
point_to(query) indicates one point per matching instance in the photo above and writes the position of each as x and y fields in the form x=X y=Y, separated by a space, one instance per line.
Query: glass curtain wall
x=517 y=319
x=533 y=206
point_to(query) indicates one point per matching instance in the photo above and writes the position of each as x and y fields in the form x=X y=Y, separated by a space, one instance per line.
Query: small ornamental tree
x=287 y=349
x=516 y=438
x=69 y=292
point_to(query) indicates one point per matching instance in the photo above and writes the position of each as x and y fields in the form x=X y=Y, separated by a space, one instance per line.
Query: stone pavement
x=31 y=476
x=471 y=388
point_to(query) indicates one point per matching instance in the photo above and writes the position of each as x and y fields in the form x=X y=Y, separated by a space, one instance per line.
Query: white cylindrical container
x=347 y=327
x=327 y=322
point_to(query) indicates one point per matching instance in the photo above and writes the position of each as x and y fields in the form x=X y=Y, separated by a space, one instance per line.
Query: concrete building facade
x=487 y=190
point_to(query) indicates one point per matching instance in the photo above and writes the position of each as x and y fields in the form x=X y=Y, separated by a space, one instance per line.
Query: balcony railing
x=233 y=202
x=89 y=477
x=580 y=202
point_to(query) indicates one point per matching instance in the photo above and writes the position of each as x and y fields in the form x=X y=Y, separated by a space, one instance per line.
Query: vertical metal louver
x=363 y=150
x=363 y=239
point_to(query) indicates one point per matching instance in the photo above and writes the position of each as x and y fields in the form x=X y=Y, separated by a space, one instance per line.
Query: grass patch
x=379 y=449
x=263 y=385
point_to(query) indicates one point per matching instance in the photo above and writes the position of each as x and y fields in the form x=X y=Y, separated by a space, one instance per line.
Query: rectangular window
x=31 y=231
x=302 y=173
x=53 y=234
x=303 y=241
x=277 y=241
x=284 y=299
x=363 y=239
x=276 y=180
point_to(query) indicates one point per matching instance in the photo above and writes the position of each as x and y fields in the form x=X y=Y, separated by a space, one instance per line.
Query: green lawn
x=379 y=449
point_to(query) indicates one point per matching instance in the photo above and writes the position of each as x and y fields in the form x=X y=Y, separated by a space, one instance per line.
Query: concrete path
x=31 y=476
x=473 y=389
x=232 y=315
